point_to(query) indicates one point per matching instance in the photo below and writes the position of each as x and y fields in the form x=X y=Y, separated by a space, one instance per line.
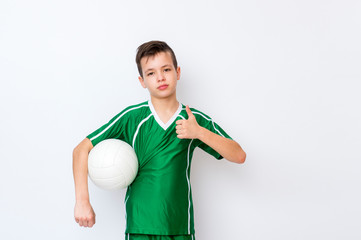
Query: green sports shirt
x=159 y=201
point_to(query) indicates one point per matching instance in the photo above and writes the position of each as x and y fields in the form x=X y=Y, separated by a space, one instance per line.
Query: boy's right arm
x=83 y=211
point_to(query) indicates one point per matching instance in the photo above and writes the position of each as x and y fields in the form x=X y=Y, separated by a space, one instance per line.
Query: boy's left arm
x=228 y=148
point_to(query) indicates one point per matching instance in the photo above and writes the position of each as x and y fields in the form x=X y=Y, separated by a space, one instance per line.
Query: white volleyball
x=112 y=164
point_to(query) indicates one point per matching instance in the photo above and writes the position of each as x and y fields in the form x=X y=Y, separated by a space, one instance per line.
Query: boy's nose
x=160 y=77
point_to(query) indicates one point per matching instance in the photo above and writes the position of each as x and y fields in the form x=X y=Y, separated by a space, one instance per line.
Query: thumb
x=189 y=112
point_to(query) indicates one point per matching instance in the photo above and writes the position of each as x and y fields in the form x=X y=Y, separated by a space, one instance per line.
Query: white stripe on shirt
x=116 y=121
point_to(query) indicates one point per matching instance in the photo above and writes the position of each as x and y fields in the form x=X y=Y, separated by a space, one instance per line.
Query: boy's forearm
x=80 y=172
x=228 y=148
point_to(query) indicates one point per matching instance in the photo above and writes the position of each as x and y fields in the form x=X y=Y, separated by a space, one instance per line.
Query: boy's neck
x=165 y=105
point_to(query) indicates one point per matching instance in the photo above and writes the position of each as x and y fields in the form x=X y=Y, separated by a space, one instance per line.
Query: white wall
x=282 y=77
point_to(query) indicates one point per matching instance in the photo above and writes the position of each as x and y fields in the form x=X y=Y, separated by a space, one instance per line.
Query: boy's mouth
x=162 y=87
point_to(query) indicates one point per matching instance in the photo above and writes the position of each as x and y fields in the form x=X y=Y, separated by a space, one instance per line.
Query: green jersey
x=159 y=201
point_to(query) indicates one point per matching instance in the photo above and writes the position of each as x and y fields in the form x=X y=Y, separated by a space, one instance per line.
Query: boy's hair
x=150 y=49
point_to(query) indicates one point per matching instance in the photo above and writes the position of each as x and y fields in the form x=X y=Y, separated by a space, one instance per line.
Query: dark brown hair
x=150 y=49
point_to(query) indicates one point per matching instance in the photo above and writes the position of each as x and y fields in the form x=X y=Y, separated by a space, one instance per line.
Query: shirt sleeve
x=209 y=124
x=113 y=129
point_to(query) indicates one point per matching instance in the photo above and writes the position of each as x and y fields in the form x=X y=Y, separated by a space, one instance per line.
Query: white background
x=281 y=77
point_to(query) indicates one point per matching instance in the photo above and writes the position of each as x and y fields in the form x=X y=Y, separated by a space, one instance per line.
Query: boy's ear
x=141 y=80
x=178 y=73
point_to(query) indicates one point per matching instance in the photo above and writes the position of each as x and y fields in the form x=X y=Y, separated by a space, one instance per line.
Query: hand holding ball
x=112 y=164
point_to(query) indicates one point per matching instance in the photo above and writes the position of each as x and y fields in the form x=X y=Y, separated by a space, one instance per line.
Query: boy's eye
x=167 y=69
x=150 y=74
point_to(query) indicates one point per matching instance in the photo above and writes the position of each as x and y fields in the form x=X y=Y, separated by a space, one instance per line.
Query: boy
x=164 y=134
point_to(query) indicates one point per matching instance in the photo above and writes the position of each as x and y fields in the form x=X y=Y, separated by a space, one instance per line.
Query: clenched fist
x=84 y=214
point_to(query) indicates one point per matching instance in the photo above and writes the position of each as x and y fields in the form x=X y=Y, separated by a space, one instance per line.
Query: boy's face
x=159 y=75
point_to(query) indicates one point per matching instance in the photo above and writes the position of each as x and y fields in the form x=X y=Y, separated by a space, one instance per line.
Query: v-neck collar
x=159 y=121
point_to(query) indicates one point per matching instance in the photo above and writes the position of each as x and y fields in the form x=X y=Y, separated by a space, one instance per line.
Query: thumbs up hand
x=188 y=128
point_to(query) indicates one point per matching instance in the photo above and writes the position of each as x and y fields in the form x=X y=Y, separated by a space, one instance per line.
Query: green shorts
x=129 y=236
